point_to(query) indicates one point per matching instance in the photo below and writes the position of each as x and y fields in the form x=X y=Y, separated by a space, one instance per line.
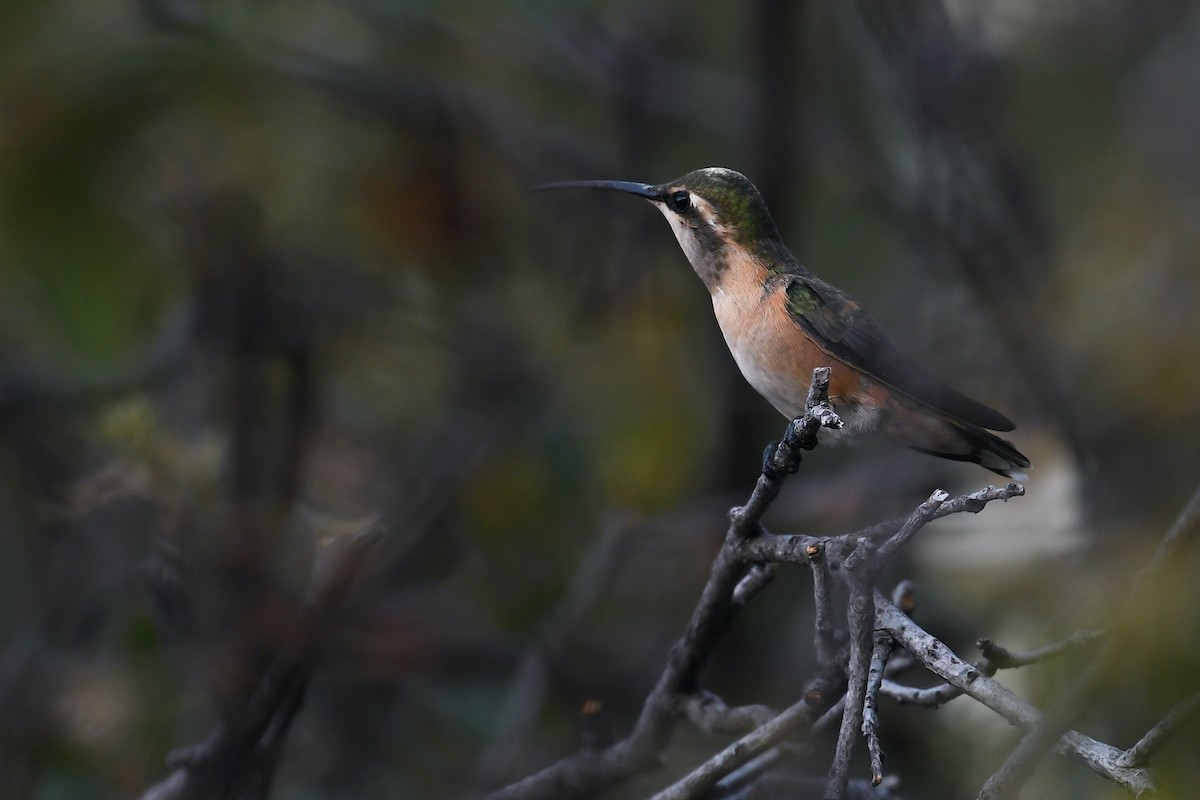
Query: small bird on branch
x=780 y=322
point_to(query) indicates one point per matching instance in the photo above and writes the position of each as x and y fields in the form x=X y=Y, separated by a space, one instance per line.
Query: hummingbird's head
x=714 y=212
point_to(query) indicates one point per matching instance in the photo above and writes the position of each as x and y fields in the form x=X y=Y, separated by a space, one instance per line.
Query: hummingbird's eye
x=681 y=201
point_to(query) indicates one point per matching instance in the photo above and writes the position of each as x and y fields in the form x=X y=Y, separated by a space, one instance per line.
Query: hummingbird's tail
x=967 y=442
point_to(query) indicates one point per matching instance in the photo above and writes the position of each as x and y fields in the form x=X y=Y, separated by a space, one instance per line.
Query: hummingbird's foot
x=779 y=461
x=768 y=465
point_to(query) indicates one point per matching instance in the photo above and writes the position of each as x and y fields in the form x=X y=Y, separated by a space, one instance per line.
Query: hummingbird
x=780 y=322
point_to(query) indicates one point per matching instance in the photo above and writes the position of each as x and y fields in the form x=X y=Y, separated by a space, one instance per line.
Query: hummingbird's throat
x=702 y=239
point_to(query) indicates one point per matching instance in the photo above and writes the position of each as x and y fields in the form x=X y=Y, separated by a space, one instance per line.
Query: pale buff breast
x=776 y=358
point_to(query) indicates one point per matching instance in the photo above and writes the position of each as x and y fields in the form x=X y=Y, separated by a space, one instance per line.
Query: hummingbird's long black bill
x=629 y=187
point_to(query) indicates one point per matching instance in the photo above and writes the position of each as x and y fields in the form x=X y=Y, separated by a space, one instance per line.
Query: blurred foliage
x=270 y=268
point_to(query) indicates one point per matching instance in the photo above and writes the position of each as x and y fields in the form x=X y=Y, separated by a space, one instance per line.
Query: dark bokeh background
x=269 y=269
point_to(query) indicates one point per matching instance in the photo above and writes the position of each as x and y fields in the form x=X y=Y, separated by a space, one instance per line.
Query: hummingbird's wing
x=844 y=330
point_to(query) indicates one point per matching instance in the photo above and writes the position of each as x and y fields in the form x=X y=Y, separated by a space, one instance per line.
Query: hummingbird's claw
x=772 y=468
x=769 y=468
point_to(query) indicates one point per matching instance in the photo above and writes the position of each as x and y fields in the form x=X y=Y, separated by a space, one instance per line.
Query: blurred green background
x=270 y=268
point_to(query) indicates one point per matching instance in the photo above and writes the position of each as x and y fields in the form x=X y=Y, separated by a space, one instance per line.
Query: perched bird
x=780 y=322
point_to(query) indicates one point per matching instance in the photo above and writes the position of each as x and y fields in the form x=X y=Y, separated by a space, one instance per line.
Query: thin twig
x=591 y=770
x=1074 y=702
x=930 y=697
x=972 y=503
x=861 y=622
x=801 y=434
x=748 y=773
x=700 y=780
x=939 y=659
x=824 y=643
x=709 y=713
x=1186 y=524
x=757 y=578
x=916 y=520
x=870 y=726
x=232 y=753
x=794 y=548
x=1003 y=658
x=1141 y=753
x=995 y=658
x=527 y=692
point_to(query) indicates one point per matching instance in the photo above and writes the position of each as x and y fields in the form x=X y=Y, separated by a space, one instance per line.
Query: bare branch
x=1073 y=703
x=710 y=714
x=995 y=658
x=939 y=659
x=870 y=726
x=588 y=771
x=700 y=780
x=757 y=578
x=861 y=621
x=1141 y=753
x=747 y=774
x=914 y=523
x=527 y=693
x=801 y=434
x=1185 y=525
x=824 y=643
x=972 y=503
x=931 y=697
x=794 y=548
x=243 y=751
x=1002 y=658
